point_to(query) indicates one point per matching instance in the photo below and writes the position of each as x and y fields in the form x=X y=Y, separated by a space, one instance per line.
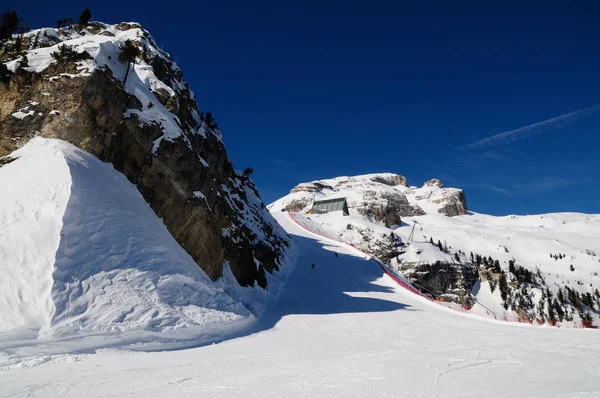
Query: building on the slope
x=329 y=206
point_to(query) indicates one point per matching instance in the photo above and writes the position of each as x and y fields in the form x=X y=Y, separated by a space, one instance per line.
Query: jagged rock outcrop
x=456 y=205
x=150 y=130
x=450 y=201
x=383 y=197
x=390 y=179
x=395 y=206
x=451 y=282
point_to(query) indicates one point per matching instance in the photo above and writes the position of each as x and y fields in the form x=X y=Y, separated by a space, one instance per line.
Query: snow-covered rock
x=384 y=196
x=69 y=84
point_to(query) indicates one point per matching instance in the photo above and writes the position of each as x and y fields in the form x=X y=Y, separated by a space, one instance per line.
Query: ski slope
x=341 y=329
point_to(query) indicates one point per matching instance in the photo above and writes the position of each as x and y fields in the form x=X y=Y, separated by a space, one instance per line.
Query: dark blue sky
x=310 y=90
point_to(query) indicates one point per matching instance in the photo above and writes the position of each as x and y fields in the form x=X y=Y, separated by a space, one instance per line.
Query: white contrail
x=535 y=128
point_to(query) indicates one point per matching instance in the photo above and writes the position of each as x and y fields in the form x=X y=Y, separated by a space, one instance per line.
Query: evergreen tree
x=392 y=239
x=128 y=53
x=439 y=245
x=551 y=314
x=587 y=300
x=559 y=311
x=503 y=286
x=85 y=17
x=456 y=257
x=585 y=316
x=497 y=266
x=561 y=298
x=491 y=280
x=210 y=121
x=9 y=24
x=431 y=240
x=572 y=268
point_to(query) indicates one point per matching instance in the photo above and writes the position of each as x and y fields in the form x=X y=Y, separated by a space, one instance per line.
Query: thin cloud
x=537 y=186
x=535 y=128
x=281 y=162
x=493 y=156
x=542 y=185
x=495 y=188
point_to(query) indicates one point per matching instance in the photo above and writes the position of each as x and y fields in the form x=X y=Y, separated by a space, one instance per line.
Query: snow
x=340 y=330
x=84 y=258
x=200 y=195
x=23 y=113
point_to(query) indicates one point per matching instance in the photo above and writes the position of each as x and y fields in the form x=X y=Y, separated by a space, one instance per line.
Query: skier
x=312 y=266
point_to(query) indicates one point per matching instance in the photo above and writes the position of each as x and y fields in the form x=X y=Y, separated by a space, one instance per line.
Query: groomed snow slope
x=81 y=252
x=342 y=329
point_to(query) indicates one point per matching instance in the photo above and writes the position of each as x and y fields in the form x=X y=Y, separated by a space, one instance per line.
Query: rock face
x=383 y=197
x=456 y=205
x=150 y=129
x=452 y=282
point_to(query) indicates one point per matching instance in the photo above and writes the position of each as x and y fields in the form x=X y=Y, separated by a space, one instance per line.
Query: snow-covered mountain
x=121 y=211
x=538 y=267
x=385 y=196
x=68 y=84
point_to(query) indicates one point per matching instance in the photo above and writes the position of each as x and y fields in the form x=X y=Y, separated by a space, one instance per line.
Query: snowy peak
x=385 y=195
x=156 y=81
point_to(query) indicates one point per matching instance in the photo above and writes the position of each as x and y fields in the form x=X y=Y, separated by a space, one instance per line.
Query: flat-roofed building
x=330 y=205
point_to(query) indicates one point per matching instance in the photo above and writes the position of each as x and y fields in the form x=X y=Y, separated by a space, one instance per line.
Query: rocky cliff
x=68 y=84
x=383 y=197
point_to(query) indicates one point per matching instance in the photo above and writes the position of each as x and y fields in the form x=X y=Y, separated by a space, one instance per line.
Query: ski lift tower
x=412 y=233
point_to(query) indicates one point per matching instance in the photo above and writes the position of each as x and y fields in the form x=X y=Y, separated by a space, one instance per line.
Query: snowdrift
x=81 y=251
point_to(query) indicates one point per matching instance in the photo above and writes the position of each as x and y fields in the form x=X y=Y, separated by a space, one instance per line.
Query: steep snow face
x=81 y=251
x=35 y=192
x=372 y=193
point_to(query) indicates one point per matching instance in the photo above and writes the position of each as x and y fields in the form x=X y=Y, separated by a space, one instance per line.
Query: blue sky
x=310 y=90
